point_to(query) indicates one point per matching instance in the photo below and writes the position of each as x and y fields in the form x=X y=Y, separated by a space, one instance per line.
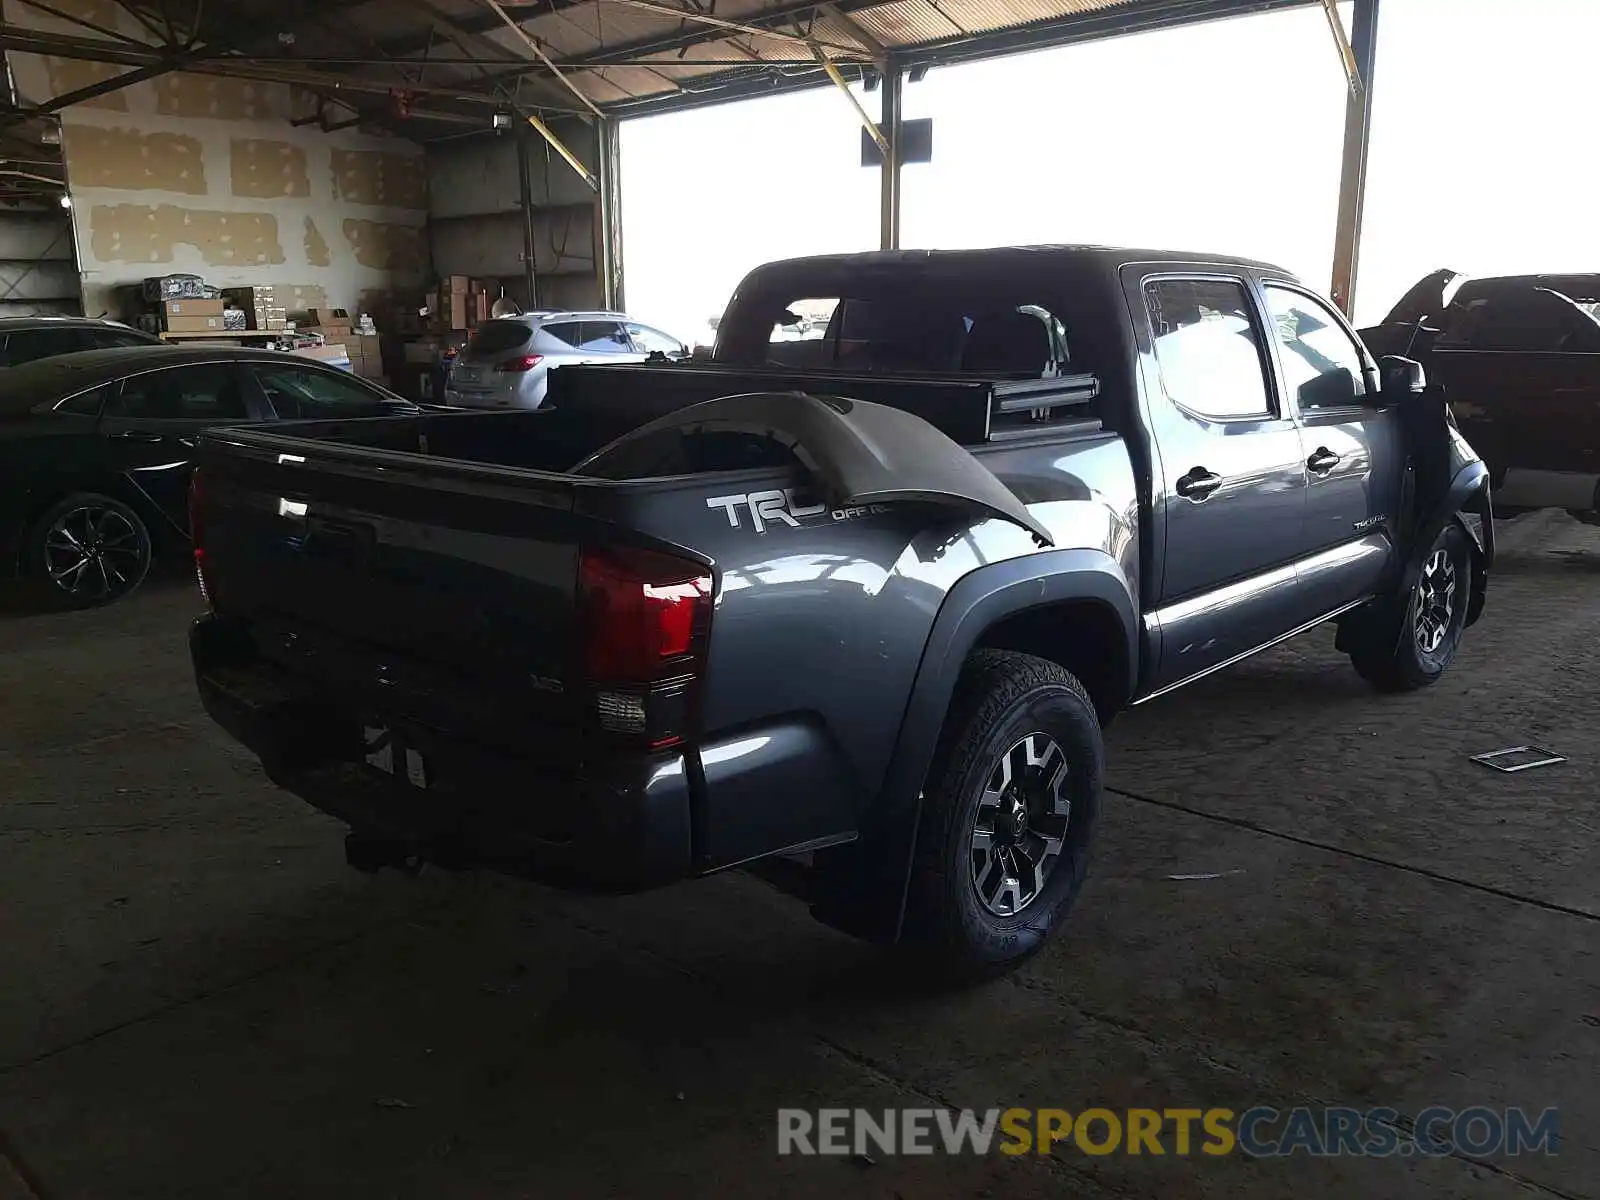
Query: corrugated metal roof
x=454 y=57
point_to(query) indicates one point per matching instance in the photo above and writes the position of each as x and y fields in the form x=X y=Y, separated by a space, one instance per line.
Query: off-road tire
x=1389 y=654
x=1001 y=699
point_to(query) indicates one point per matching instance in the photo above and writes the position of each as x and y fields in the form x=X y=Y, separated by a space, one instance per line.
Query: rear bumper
x=621 y=826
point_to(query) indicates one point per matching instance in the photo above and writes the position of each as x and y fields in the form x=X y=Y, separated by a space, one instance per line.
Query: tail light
x=526 y=362
x=646 y=620
x=197 y=536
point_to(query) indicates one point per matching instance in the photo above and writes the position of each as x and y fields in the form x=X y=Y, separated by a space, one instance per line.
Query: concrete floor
x=200 y=999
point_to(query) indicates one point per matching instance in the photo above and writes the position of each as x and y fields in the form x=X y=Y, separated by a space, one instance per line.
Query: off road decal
x=777 y=507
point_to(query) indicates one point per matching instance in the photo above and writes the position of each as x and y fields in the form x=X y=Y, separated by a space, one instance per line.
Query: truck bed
x=967 y=409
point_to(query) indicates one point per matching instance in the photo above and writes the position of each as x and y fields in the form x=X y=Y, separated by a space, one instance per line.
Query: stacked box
x=173 y=287
x=191 y=316
x=366 y=354
x=262 y=308
x=333 y=354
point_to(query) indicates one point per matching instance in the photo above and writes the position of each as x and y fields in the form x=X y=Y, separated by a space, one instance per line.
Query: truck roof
x=997 y=259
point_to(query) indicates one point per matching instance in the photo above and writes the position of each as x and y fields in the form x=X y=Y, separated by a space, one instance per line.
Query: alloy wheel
x=1020 y=825
x=93 y=553
x=1435 y=604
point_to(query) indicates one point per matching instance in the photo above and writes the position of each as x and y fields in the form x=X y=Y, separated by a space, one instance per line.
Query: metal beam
x=608 y=226
x=1072 y=29
x=472 y=23
x=889 y=193
x=700 y=18
x=538 y=50
x=244 y=35
x=525 y=198
x=1353 y=172
x=843 y=84
x=82 y=23
x=1347 y=53
x=275 y=69
x=683 y=38
x=560 y=148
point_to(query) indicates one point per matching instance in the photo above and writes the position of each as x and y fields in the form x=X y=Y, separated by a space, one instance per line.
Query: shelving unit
x=241 y=335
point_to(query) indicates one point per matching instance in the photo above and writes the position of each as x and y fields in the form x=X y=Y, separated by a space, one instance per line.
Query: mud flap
x=858 y=453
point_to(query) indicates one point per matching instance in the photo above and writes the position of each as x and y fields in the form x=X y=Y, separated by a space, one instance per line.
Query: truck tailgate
x=436 y=590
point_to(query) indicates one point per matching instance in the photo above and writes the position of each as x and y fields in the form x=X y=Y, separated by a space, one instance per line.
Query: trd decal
x=777 y=507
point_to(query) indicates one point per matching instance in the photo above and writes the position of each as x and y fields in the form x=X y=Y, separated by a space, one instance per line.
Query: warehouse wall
x=205 y=174
x=475 y=225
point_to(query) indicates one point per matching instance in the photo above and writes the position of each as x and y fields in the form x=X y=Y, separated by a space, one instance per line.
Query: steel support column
x=525 y=199
x=608 y=223
x=1353 y=175
x=890 y=124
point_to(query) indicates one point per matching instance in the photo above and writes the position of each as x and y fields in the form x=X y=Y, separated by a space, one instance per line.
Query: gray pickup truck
x=859 y=601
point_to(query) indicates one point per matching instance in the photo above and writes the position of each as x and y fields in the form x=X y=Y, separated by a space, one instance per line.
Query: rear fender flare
x=869 y=893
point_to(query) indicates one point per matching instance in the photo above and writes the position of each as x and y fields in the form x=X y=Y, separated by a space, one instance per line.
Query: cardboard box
x=328 y=316
x=267 y=318
x=259 y=296
x=457 y=285
x=369 y=344
x=191 y=308
x=192 y=324
x=424 y=351
x=172 y=287
x=332 y=354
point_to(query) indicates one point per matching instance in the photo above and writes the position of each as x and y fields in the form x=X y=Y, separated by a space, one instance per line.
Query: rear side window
x=306 y=392
x=595 y=337
x=115 y=339
x=207 y=392
x=1207 y=348
x=85 y=404
x=499 y=337
x=29 y=345
x=653 y=341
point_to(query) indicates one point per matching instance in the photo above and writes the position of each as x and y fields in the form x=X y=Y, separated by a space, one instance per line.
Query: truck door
x=1231 y=480
x=1354 y=450
x=150 y=427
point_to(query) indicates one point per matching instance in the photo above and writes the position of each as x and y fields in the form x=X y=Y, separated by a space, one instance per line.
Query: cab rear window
x=498 y=337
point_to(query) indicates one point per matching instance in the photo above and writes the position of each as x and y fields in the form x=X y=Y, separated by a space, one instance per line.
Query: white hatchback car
x=507 y=363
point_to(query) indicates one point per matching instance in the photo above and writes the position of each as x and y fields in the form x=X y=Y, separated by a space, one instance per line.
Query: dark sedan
x=28 y=339
x=96 y=451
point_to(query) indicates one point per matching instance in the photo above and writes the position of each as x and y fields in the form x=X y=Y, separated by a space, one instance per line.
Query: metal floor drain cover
x=1518 y=758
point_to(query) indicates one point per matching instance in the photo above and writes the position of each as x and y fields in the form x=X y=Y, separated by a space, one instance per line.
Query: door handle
x=1323 y=461
x=1198 y=484
x=133 y=435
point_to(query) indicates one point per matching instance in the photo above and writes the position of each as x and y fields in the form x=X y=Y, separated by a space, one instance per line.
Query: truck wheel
x=88 y=549
x=1412 y=651
x=1008 y=816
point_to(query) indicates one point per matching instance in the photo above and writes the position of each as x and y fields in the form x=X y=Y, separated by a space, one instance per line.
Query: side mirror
x=1401 y=377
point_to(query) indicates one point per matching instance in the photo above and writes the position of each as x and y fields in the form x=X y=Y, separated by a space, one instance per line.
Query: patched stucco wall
x=205 y=174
